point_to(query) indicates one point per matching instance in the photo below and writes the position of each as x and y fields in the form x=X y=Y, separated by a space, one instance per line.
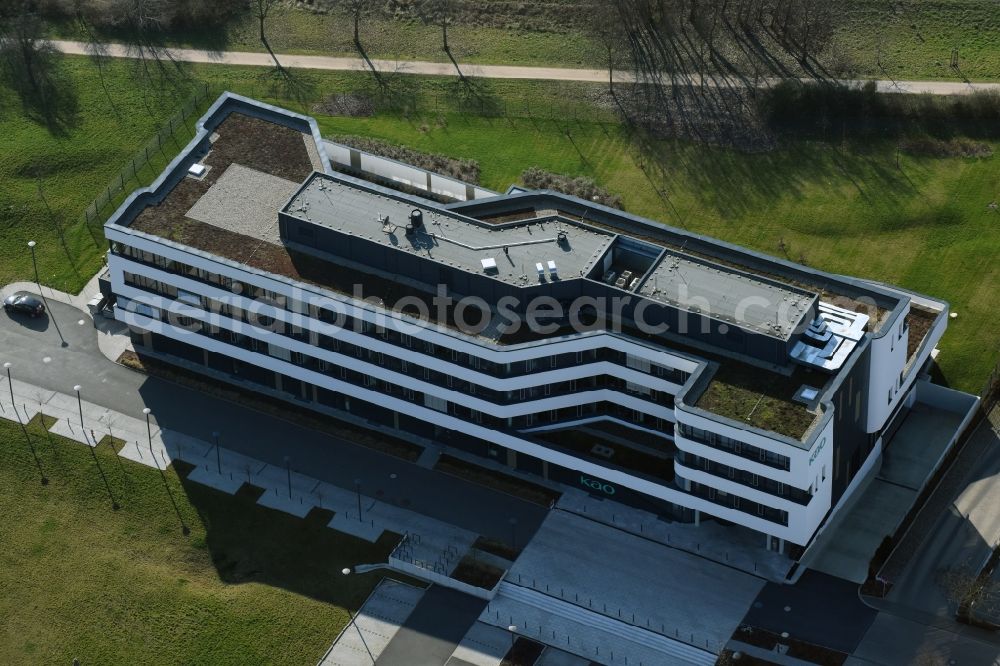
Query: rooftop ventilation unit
x=552 y=269
x=416 y=219
x=489 y=264
x=541 y=270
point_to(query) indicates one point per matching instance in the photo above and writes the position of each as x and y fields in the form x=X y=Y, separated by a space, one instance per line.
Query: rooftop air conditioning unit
x=541 y=270
x=552 y=269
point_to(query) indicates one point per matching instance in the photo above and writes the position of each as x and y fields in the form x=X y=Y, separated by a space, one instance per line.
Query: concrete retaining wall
x=440 y=579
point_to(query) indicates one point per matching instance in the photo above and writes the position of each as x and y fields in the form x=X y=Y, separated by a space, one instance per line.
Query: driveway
x=59 y=351
x=898 y=640
x=907 y=463
x=963 y=536
x=818 y=609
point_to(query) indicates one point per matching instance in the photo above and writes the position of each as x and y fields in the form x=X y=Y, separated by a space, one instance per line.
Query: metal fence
x=991 y=390
x=158 y=151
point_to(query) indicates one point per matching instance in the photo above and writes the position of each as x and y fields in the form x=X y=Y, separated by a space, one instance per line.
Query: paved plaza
x=635 y=580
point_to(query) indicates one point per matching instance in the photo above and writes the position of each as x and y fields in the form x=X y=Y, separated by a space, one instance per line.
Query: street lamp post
x=218 y=452
x=38 y=283
x=357 y=489
x=149 y=432
x=347 y=572
x=288 y=469
x=10 y=383
x=79 y=402
x=93 y=450
x=512 y=628
x=24 y=430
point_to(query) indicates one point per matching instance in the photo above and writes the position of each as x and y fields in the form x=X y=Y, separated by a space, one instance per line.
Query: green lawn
x=79 y=580
x=917 y=37
x=47 y=178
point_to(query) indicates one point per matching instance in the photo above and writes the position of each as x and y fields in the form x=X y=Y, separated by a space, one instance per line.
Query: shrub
x=834 y=111
x=348 y=105
x=462 y=169
x=585 y=188
x=163 y=13
x=931 y=147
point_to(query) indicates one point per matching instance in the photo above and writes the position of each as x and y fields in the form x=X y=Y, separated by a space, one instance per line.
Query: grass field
x=915 y=38
x=302 y=32
x=47 y=178
x=79 y=580
x=842 y=207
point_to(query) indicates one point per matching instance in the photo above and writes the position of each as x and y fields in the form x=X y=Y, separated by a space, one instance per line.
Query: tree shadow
x=214 y=36
x=299 y=86
x=475 y=95
x=35 y=71
x=249 y=543
x=733 y=184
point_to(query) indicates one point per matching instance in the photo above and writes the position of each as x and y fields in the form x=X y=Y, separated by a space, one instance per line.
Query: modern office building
x=630 y=359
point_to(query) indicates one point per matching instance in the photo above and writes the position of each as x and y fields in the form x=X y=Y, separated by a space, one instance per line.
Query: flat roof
x=726 y=294
x=450 y=238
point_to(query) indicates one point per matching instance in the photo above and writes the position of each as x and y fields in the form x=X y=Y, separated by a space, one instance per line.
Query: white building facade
x=504 y=398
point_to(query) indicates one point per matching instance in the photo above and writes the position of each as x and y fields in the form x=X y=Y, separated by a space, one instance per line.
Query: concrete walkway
x=483 y=645
x=376 y=624
x=898 y=640
x=434 y=629
x=965 y=533
x=423 y=67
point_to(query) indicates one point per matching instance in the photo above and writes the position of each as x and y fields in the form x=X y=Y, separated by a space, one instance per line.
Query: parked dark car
x=24 y=302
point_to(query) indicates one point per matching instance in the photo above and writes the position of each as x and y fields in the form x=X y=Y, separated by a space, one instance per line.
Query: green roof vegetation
x=760 y=398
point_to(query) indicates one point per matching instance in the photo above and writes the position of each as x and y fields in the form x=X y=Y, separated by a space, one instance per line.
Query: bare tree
x=97 y=49
x=605 y=25
x=30 y=65
x=359 y=9
x=441 y=13
x=264 y=9
x=140 y=24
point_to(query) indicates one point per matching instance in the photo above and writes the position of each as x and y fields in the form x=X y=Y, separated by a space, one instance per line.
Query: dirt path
x=482 y=71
